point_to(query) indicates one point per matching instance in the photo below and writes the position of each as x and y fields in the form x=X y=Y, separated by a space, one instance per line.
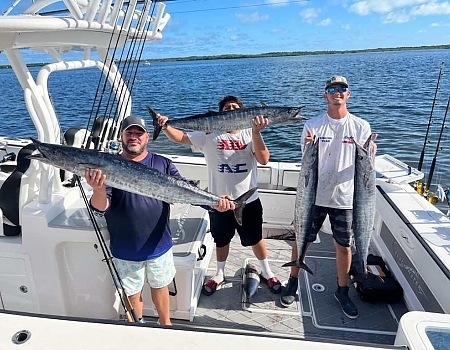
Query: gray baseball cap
x=134 y=121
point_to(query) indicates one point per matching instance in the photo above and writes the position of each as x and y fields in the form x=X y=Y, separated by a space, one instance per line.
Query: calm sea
x=394 y=91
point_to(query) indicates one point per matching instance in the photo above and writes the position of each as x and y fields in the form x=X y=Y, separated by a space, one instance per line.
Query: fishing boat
x=55 y=286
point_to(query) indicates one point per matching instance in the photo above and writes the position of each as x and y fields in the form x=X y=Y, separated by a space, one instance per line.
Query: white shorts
x=158 y=272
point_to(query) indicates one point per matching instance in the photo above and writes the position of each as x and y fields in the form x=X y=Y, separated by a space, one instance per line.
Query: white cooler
x=193 y=247
x=420 y=330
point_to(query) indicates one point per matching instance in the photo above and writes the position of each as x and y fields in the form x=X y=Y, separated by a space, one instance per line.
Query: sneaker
x=348 y=308
x=289 y=292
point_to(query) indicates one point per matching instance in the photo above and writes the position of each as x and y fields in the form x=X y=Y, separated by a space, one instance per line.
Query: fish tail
x=240 y=204
x=299 y=264
x=156 y=127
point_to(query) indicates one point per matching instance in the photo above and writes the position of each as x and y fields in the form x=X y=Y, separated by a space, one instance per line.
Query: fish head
x=61 y=156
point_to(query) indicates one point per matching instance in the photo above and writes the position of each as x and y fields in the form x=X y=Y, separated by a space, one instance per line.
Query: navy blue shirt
x=138 y=225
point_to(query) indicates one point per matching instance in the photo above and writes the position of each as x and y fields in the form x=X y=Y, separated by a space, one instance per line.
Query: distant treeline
x=275 y=54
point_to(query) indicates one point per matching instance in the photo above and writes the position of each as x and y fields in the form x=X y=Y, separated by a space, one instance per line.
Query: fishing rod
x=430 y=120
x=433 y=163
x=130 y=313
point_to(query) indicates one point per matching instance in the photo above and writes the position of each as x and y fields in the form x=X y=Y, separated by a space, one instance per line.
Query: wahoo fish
x=364 y=203
x=304 y=203
x=251 y=283
x=131 y=176
x=236 y=119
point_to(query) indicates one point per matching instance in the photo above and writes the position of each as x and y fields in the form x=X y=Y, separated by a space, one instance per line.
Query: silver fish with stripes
x=304 y=203
x=364 y=201
x=236 y=119
x=131 y=176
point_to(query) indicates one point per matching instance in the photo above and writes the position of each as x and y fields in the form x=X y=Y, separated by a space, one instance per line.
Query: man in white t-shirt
x=337 y=131
x=232 y=158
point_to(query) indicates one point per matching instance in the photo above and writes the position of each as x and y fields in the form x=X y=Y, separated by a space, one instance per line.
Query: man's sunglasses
x=332 y=89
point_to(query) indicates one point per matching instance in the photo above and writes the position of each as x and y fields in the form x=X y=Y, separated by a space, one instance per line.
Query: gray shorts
x=341 y=221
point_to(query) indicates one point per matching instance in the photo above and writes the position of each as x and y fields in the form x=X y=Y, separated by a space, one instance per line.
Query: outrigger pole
x=433 y=163
x=422 y=154
x=130 y=313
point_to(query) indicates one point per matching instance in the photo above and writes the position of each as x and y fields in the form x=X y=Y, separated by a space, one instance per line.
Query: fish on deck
x=131 y=176
x=236 y=119
x=251 y=283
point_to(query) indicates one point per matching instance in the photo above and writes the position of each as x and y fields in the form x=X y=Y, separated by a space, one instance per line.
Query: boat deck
x=316 y=314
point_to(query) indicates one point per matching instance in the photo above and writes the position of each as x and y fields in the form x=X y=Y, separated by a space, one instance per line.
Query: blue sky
x=281 y=25
x=211 y=27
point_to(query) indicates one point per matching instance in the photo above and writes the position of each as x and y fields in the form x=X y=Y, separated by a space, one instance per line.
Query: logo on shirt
x=325 y=139
x=233 y=168
x=231 y=145
x=348 y=139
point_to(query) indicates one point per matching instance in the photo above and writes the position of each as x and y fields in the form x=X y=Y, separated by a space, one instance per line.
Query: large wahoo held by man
x=236 y=119
x=364 y=198
x=304 y=203
x=131 y=176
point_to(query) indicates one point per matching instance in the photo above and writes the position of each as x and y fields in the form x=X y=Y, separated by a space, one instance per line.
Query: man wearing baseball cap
x=139 y=229
x=336 y=131
x=134 y=121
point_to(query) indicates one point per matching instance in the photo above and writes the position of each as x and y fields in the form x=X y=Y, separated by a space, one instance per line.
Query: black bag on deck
x=379 y=285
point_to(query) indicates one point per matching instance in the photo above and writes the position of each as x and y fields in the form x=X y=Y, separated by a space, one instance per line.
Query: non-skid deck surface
x=315 y=315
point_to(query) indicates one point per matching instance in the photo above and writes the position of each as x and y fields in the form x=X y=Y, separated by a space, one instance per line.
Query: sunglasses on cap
x=332 y=89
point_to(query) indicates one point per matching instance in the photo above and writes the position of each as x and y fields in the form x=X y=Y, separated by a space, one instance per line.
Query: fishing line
x=125 y=302
x=430 y=120
x=242 y=6
x=433 y=163
x=87 y=140
x=126 y=20
x=131 y=77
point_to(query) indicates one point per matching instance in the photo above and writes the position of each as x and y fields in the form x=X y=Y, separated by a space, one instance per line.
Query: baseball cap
x=134 y=121
x=336 y=80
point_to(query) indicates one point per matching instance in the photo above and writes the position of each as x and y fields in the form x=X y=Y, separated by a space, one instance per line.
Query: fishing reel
x=433 y=197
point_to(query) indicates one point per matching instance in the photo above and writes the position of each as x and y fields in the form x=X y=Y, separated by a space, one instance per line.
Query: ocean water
x=393 y=91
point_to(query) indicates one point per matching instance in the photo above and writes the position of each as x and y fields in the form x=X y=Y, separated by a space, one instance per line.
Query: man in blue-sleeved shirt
x=140 y=237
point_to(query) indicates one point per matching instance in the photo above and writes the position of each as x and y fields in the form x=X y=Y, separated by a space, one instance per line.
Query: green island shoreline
x=274 y=54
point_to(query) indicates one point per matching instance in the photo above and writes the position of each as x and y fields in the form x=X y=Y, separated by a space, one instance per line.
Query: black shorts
x=223 y=225
x=341 y=224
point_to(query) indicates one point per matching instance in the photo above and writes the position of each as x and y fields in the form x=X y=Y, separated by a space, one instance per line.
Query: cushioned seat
x=10 y=193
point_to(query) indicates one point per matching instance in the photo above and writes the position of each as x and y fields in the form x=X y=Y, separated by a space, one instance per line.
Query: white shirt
x=337 y=153
x=232 y=165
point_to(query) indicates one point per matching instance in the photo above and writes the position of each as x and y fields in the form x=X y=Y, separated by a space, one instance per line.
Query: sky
x=214 y=27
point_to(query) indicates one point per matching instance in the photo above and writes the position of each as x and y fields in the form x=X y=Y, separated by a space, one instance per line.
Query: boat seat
x=102 y=131
x=10 y=194
x=74 y=137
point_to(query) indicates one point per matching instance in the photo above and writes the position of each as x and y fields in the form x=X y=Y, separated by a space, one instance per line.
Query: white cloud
x=309 y=14
x=346 y=27
x=396 y=17
x=435 y=24
x=277 y=2
x=367 y=7
x=400 y=11
x=325 y=22
x=432 y=8
x=252 y=18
